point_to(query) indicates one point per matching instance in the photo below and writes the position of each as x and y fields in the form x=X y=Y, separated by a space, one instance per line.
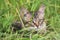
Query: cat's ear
x=25 y=14
x=41 y=12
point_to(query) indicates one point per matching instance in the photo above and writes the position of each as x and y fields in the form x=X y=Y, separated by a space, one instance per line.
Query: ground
x=10 y=10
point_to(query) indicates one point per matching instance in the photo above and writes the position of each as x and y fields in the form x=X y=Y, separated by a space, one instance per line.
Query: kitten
x=37 y=23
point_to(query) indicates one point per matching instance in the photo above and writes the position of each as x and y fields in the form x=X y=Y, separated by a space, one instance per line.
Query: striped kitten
x=37 y=23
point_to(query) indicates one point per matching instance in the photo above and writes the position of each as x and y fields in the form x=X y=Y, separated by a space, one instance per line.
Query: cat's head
x=26 y=15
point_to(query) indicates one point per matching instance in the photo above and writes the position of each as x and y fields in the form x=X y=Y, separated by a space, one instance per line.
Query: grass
x=9 y=12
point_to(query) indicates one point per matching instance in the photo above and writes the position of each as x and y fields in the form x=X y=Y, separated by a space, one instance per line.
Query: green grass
x=9 y=12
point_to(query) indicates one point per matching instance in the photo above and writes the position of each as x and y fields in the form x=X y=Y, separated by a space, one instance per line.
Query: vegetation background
x=9 y=12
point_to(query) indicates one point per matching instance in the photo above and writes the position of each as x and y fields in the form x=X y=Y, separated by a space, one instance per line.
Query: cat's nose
x=36 y=23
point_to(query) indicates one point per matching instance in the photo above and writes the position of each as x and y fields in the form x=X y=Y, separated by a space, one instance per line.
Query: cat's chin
x=34 y=29
x=40 y=29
